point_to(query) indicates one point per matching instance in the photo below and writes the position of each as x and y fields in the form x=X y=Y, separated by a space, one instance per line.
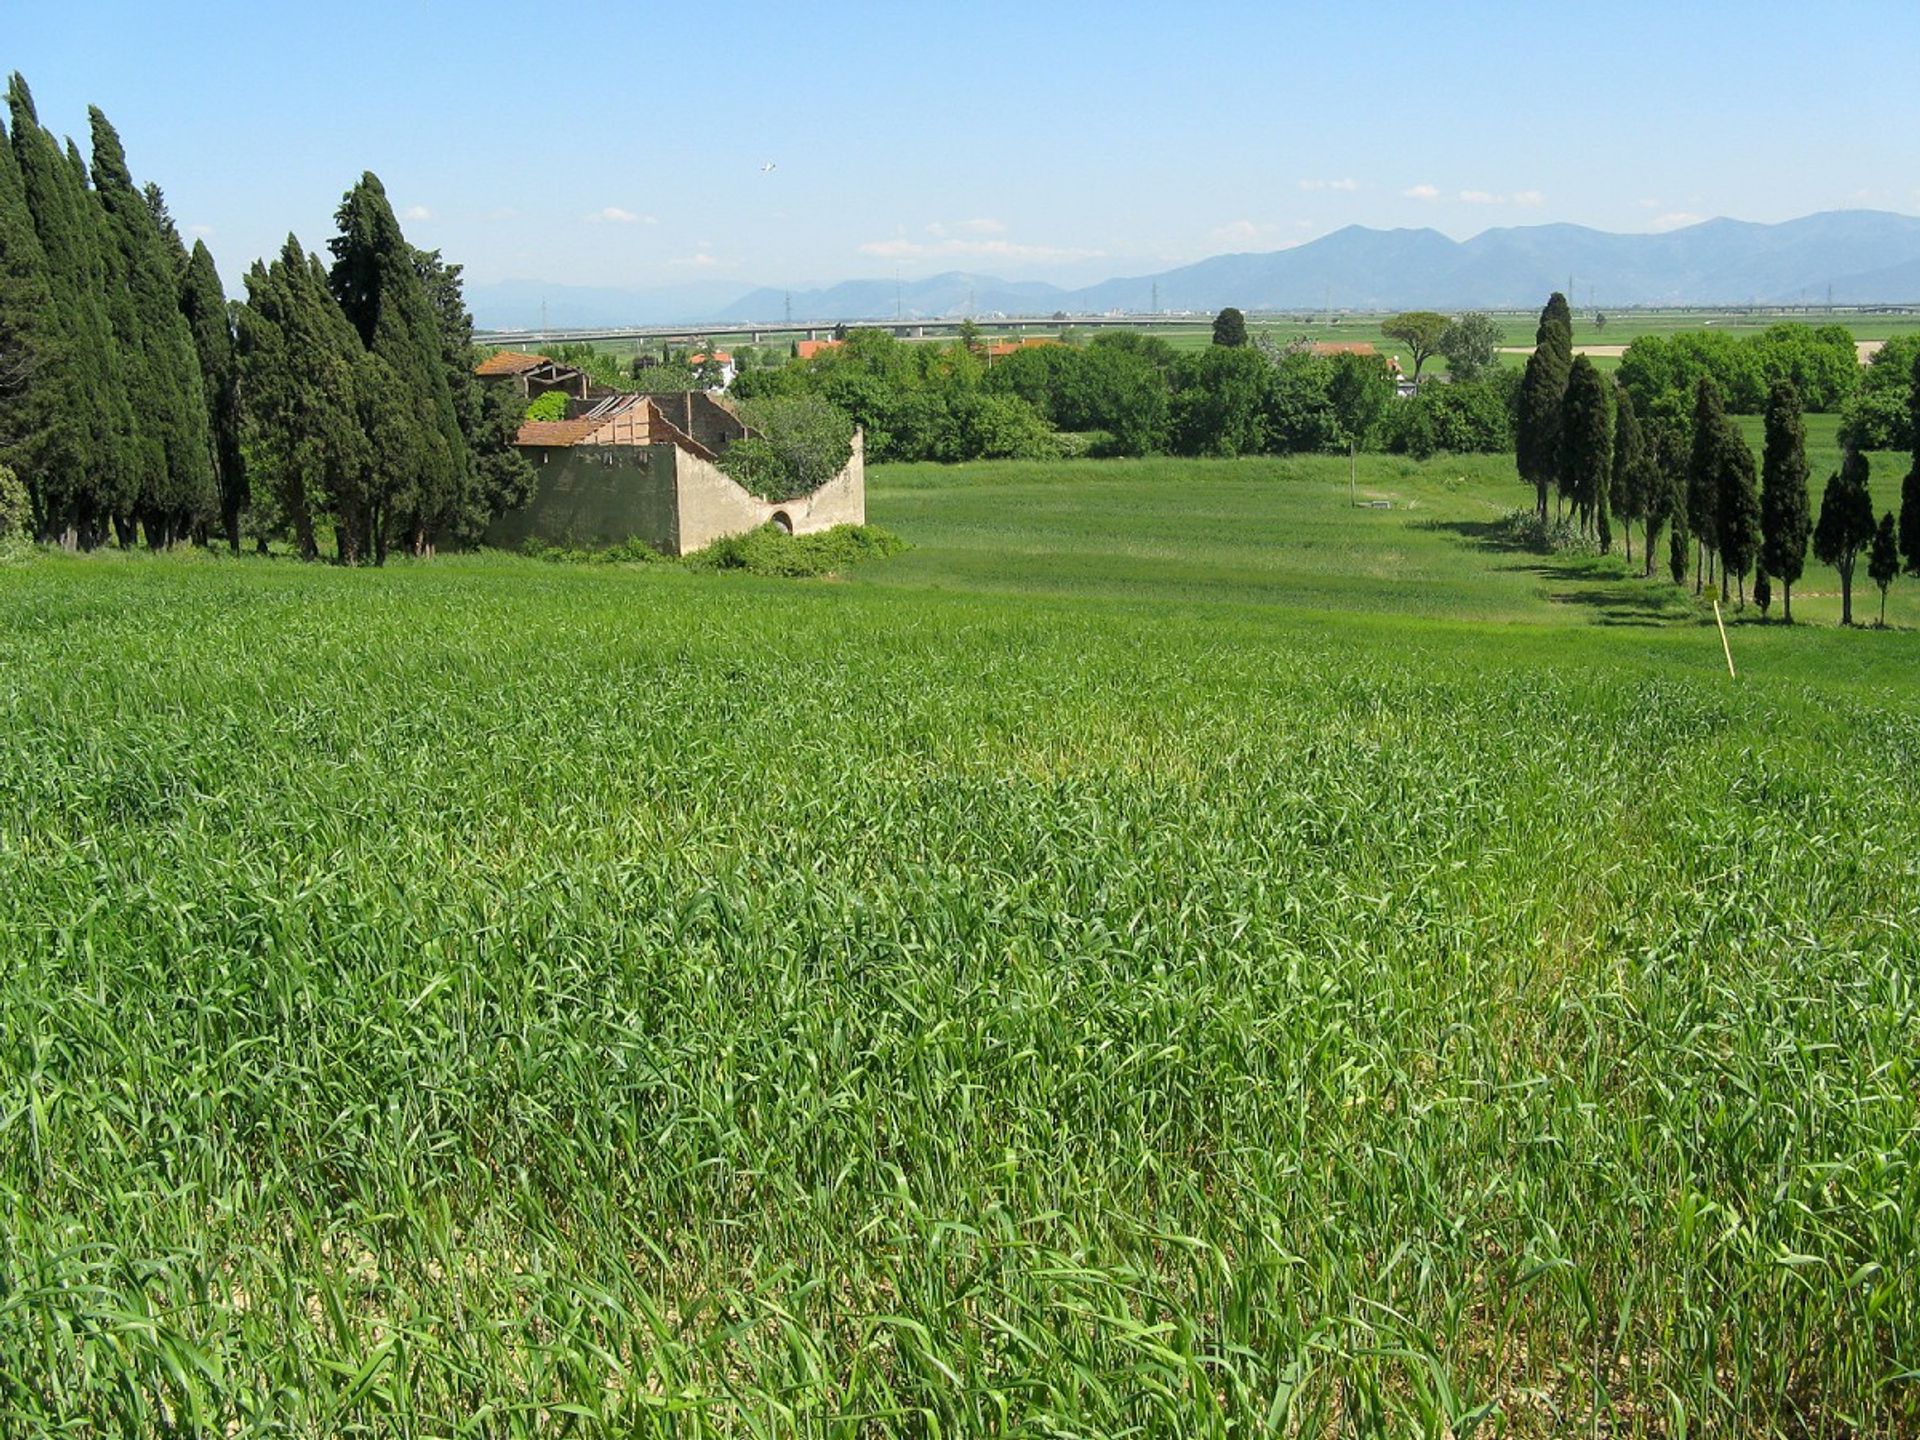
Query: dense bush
x=1661 y=372
x=16 y=510
x=800 y=443
x=1528 y=530
x=1879 y=416
x=1462 y=418
x=772 y=551
x=550 y=406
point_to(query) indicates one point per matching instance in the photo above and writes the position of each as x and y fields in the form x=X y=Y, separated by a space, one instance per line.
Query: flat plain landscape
x=1170 y=953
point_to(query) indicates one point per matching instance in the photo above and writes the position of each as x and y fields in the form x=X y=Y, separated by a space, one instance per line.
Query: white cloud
x=701 y=261
x=1532 y=199
x=203 y=231
x=1422 y=192
x=1482 y=197
x=1234 y=230
x=614 y=215
x=416 y=212
x=901 y=248
x=1347 y=184
x=1675 y=219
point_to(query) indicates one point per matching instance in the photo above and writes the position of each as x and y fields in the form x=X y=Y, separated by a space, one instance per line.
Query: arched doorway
x=783 y=521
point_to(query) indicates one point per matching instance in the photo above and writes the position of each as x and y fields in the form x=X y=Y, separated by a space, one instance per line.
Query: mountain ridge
x=1857 y=256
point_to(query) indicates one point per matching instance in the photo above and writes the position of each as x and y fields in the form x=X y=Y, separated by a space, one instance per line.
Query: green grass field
x=1171 y=954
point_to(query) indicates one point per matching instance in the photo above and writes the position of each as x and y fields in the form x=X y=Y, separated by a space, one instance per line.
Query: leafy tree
x=1883 y=561
x=1420 y=331
x=1846 y=524
x=1221 y=398
x=1466 y=417
x=16 y=508
x=1471 y=346
x=1879 y=415
x=1586 y=447
x=550 y=406
x=1703 y=475
x=1786 y=523
x=1737 y=511
x=1543 y=388
x=1627 y=493
x=1677 y=540
x=1910 y=518
x=1300 y=411
x=1230 y=328
x=1361 y=388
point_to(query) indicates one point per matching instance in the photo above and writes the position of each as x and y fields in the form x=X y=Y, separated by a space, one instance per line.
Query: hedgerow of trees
x=336 y=402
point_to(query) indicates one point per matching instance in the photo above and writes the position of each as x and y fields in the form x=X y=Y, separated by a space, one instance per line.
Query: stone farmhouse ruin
x=625 y=466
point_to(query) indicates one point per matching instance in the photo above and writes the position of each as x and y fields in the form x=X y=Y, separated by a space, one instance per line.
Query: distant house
x=807 y=349
x=721 y=359
x=646 y=467
x=1000 y=349
x=1351 y=347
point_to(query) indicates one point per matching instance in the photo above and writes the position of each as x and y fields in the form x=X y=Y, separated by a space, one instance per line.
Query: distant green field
x=1173 y=954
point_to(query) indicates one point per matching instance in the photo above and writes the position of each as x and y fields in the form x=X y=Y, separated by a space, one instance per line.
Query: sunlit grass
x=1166 y=974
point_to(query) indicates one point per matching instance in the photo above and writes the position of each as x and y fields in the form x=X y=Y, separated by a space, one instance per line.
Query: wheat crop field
x=1170 y=954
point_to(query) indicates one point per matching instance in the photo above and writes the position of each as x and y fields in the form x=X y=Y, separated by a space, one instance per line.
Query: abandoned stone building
x=625 y=466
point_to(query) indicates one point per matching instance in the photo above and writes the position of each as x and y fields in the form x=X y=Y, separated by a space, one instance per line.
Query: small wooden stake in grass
x=1723 y=638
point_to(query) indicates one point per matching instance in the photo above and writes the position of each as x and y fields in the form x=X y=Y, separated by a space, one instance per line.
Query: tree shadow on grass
x=1482 y=534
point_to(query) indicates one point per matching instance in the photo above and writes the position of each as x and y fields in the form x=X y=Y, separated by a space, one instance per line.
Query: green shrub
x=550 y=406
x=1561 y=536
x=16 y=510
x=772 y=551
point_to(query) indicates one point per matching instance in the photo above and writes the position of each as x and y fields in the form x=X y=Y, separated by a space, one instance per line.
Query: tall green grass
x=496 y=998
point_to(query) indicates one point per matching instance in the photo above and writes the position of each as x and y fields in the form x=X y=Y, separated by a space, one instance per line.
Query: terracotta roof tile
x=555 y=432
x=510 y=362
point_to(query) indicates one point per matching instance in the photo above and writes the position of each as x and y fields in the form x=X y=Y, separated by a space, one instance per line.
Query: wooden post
x=1723 y=638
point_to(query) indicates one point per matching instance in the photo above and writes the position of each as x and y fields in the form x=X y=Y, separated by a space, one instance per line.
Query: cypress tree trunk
x=1787 y=601
x=1846 y=593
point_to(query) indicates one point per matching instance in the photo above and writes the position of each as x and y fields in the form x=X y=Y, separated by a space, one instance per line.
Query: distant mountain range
x=1854 y=256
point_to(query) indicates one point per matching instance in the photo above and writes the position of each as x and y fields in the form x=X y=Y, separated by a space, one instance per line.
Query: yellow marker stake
x=1723 y=638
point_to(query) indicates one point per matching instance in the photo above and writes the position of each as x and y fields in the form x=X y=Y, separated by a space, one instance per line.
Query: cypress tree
x=1542 y=391
x=1703 y=473
x=30 y=362
x=1663 y=495
x=1628 y=485
x=1586 y=446
x=1846 y=524
x=87 y=461
x=1910 y=487
x=1736 y=521
x=376 y=279
x=1786 y=522
x=164 y=377
x=1883 y=561
x=300 y=362
x=204 y=304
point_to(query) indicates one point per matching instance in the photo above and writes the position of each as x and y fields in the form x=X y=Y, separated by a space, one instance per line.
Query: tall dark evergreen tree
x=1542 y=391
x=1736 y=521
x=489 y=414
x=1910 y=487
x=301 y=365
x=1628 y=486
x=1586 y=446
x=177 y=492
x=204 y=304
x=1703 y=475
x=1665 y=494
x=376 y=279
x=87 y=463
x=30 y=360
x=1846 y=524
x=1786 y=521
x=1883 y=561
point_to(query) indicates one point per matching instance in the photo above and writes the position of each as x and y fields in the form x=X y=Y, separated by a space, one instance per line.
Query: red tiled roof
x=807 y=349
x=510 y=362
x=721 y=357
x=555 y=432
x=1342 y=347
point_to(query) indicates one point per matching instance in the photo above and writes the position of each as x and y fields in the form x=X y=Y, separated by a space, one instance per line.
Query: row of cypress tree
x=1696 y=478
x=134 y=399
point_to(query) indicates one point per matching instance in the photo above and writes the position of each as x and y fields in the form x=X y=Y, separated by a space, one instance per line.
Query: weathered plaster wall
x=712 y=505
x=594 y=495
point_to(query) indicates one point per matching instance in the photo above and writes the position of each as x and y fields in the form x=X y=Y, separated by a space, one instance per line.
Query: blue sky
x=623 y=145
